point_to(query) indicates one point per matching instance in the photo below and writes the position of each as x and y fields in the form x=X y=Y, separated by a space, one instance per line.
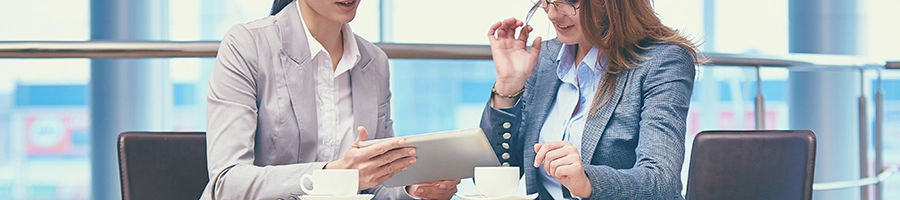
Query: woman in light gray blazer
x=291 y=93
x=598 y=112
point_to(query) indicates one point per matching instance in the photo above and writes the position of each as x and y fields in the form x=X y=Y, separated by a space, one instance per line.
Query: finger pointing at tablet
x=562 y=162
x=376 y=162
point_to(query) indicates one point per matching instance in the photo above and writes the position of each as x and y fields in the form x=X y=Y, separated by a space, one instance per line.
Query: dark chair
x=162 y=165
x=752 y=165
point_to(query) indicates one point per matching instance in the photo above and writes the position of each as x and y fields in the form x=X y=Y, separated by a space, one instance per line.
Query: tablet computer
x=446 y=155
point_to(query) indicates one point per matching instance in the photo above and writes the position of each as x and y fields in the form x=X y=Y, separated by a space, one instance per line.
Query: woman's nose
x=552 y=13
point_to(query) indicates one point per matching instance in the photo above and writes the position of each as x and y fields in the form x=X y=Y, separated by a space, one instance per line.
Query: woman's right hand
x=513 y=61
x=377 y=162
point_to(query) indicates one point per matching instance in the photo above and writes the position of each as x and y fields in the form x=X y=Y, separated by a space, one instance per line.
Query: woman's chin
x=344 y=18
x=567 y=40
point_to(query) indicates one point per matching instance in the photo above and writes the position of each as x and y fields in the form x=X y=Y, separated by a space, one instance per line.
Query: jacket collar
x=294 y=42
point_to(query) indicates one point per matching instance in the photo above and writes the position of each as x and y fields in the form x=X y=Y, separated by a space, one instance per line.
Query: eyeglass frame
x=556 y=4
x=539 y=3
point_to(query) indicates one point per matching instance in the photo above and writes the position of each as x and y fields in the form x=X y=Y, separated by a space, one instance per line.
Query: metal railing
x=156 y=49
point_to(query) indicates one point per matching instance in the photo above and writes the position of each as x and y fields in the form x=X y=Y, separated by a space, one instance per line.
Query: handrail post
x=863 y=139
x=760 y=111
x=879 y=130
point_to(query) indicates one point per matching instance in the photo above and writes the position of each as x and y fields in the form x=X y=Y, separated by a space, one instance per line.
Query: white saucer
x=323 y=197
x=511 y=197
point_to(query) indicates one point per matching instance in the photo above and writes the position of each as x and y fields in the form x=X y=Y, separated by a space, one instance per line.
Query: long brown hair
x=623 y=29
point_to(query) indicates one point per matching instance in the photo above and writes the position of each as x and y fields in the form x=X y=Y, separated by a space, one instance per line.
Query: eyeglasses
x=563 y=7
x=531 y=12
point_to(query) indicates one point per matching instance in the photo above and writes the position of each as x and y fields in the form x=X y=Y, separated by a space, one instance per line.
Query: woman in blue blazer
x=598 y=112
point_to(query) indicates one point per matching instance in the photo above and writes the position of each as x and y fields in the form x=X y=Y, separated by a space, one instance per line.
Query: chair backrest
x=162 y=165
x=752 y=165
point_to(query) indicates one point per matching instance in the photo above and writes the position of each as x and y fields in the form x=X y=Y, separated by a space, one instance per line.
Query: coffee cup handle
x=303 y=181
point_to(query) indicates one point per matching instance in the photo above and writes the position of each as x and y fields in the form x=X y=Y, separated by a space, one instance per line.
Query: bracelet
x=508 y=96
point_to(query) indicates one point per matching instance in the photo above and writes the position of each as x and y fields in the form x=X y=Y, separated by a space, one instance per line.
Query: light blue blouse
x=579 y=85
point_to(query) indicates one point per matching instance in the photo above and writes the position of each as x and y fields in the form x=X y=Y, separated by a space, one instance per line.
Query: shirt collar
x=351 y=53
x=566 y=60
x=314 y=46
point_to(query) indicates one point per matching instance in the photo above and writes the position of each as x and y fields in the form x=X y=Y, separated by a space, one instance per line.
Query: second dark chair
x=740 y=165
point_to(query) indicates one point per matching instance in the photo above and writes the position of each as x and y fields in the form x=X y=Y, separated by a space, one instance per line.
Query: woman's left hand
x=563 y=162
x=434 y=190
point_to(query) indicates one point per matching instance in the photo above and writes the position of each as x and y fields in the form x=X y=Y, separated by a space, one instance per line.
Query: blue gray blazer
x=261 y=109
x=632 y=148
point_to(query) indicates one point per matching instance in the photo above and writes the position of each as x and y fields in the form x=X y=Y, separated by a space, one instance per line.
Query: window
x=43 y=102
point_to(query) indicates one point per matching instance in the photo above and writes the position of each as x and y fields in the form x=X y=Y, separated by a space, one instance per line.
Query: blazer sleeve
x=231 y=128
x=666 y=91
x=497 y=124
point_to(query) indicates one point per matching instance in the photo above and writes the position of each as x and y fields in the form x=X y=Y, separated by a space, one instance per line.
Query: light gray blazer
x=632 y=148
x=261 y=109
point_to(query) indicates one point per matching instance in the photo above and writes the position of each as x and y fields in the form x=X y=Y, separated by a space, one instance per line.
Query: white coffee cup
x=332 y=182
x=497 y=181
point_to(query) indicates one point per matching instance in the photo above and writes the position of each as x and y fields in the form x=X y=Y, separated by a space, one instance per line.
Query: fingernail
x=412 y=152
x=412 y=161
x=419 y=191
x=442 y=186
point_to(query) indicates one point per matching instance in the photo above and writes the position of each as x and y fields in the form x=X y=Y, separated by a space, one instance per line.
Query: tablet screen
x=446 y=155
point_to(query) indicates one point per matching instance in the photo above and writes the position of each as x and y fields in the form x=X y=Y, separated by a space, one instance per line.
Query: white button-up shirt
x=334 y=103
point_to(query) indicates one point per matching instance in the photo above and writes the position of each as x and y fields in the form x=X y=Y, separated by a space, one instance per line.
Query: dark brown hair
x=278 y=5
x=626 y=28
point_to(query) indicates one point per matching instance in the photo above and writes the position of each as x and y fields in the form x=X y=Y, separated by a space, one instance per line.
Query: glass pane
x=735 y=32
x=189 y=78
x=46 y=129
x=44 y=123
x=684 y=15
x=880 y=29
x=42 y=20
x=891 y=154
x=458 y=22
x=439 y=94
x=209 y=20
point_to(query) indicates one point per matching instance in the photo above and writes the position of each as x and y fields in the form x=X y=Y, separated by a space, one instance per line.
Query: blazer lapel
x=543 y=95
x=299 y=77
x=596 y=123
x=539 y=96
x=365 y=96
